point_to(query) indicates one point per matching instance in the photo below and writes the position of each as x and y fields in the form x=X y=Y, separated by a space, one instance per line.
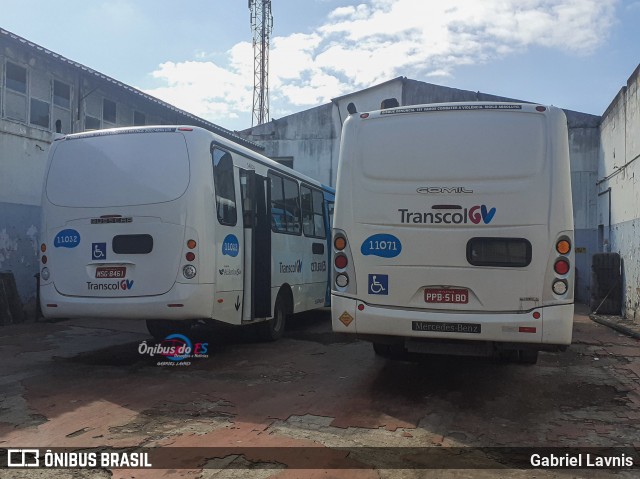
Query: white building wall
x=619 y=187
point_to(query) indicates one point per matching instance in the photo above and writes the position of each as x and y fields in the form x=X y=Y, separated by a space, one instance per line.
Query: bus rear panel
x=453 y=228
x=116 y=229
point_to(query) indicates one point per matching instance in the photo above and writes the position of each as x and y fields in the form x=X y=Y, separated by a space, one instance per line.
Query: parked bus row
x=452 y=232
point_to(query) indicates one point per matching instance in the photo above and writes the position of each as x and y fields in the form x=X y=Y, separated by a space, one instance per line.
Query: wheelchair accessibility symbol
x=98 y=250
x=378 y=284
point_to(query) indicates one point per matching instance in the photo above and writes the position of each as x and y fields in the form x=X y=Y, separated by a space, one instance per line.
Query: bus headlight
x=189 y=271
x=559 y=287
x=44 y=274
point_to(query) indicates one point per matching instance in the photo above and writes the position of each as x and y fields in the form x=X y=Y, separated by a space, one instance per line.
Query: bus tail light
x=561 y=267
x=189 y=271
x=44 y=274
x=342 y=280
x=559 y=279
x=341 y=261
x=563 y=246
x=560 y=287
x=340 y=243
x=190 y=255
x=343 y=271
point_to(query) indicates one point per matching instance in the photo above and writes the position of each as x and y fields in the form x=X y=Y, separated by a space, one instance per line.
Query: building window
x=91 y=123
x=15 y=92
x=285 y=161
x=61 y=94
x=139 y=119
x=16 y=78
x=39 y=113
x=109 y=111
x=61 y=112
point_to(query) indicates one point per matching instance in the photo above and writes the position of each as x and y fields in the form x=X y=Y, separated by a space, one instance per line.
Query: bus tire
x=161 y=328
x=273 y=329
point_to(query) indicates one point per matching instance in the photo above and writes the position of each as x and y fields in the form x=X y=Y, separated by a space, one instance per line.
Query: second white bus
x=176 y=224
x=453 y=230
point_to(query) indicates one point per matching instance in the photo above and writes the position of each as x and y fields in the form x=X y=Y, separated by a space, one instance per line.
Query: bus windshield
x=118 y=170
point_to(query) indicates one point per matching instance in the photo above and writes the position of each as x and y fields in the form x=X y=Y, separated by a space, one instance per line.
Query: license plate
x=451 y=296
x=110 y=272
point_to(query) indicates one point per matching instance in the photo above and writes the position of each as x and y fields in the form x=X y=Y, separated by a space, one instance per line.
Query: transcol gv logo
x=449 y=214
x=294 y=267
x=124 y=285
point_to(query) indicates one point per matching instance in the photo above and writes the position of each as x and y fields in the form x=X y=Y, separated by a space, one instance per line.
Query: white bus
x=453 y=230
x=174 y=224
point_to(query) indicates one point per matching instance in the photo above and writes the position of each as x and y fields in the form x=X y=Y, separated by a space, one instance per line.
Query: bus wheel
x=273 y=329
x=161 y=328
x=527 y=356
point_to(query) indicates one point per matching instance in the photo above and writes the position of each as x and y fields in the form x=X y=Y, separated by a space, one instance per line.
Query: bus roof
x=456 y=106
x=227 y=143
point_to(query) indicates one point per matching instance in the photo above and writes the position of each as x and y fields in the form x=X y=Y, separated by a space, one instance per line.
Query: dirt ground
x=315 y=397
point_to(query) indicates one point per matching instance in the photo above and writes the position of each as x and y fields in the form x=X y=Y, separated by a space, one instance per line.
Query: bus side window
x=306 y=199
x=318 y=214
x=312 y=213
x=278 y=219
x=292 y=202
x=285 y=205
x=225 y=187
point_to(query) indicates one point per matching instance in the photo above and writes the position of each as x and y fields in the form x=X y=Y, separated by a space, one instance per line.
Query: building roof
x=112 y=81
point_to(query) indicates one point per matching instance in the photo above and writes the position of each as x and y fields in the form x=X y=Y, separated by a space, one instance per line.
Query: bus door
x=257 y=240
x=229 y=236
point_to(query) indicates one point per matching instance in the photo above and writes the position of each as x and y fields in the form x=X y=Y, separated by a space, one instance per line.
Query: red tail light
x=341 y=261
x=563 y=247
x=561 y=267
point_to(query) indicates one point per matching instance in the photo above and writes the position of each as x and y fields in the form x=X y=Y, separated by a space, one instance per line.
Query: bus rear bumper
x=553 y=328
x=182 y=301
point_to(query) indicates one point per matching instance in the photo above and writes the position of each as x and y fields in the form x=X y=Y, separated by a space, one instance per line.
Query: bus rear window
x=118 y=170
x=506 y=252
x=453 y=146
x=132 y=244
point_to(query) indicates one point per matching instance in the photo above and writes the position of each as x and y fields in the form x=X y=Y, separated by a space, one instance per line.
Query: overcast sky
x=197 y=54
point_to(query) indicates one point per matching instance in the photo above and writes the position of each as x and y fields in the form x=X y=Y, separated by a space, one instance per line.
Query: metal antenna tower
x=261 y=25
